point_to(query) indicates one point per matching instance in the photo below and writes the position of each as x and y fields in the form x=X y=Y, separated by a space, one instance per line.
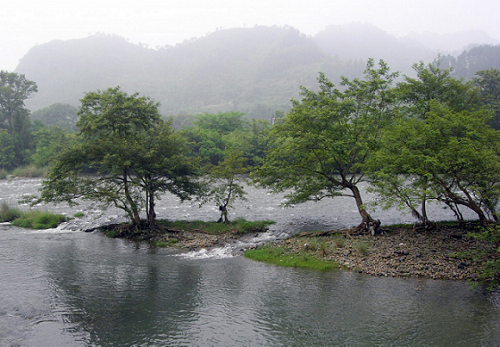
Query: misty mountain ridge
x=253 y=70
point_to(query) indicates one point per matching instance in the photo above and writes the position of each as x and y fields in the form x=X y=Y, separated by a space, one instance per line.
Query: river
x=65 y=287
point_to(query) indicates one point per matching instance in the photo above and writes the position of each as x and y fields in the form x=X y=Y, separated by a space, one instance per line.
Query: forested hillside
x=252 y=70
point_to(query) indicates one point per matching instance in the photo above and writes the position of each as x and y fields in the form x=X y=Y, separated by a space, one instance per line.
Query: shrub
x=29 y=171
x=7 y=213
x=36 y=219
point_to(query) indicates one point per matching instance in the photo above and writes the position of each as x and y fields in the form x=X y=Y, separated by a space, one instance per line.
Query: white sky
x=25 y=23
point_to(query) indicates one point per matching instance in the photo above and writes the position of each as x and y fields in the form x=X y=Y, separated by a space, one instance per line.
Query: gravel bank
x=400 y=252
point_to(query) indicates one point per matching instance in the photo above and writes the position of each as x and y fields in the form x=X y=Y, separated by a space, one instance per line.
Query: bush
x=29 y=171
x=7 y=213
x=36 y=219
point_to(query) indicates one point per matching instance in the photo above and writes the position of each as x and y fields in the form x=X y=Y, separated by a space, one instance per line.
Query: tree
x=132 y=155
x=488 y=82
x=428 y=152
x=14 y=117
x=317 y=149
x=49 y=142
x=449 y=156
x=208 y=136
x=14 y=89
x=61 y=115
x=224 y=182
x=7 y=151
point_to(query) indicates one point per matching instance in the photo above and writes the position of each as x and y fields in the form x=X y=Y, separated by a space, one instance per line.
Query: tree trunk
x=368 y=224
x=136 y=221
x=151 y=212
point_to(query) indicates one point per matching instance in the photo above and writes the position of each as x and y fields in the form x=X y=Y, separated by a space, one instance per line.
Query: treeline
x=415 y=140
x=427 y=138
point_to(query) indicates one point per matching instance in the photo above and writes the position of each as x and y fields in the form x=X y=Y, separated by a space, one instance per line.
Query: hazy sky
x=25 y=23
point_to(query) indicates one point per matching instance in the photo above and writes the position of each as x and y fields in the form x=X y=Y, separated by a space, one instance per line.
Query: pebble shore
x=400 y=252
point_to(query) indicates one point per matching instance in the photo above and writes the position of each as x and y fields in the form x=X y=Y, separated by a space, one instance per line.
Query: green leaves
x=441 y=145
x=317 y=150
x=132 y=154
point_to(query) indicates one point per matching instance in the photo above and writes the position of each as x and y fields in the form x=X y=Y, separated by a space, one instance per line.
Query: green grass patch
x=29 y=171
x=35 y=219
x=163 y=244
x=79 y=215
x=282 y=257
x=239 y=226
x=8 y=213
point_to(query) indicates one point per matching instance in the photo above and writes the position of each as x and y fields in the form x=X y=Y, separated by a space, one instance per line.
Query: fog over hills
x=255 y=70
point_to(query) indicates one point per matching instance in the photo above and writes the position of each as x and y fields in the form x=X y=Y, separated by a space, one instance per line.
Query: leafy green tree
x=14 y=90
x=161 y=165
x=434 y=83
x=224 y=182
x=449 y=156
x=208 y=135
x=131 y=152
x=49 y=142
x=316 y=150
x=401 y=170
x=488 y=82
x=14 y=117
x=61 y=115
x=7 y=150
x=252 y=142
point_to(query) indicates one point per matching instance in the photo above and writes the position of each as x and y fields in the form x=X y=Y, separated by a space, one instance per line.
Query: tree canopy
x=440 y=148
x=126 y=155
x=317 y=149
x=15 y=124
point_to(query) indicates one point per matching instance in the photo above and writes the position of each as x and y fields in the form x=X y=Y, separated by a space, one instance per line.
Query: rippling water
x=63 y=287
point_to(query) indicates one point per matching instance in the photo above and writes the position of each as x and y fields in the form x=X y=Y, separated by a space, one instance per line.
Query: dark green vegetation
x=131 y=153
x=32 y=219
x=282 y=257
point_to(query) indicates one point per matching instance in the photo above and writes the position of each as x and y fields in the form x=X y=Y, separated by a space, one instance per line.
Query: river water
x=65 y=287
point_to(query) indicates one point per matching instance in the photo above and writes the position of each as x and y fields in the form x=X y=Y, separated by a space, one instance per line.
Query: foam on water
x=215 y=253
x=234 y=249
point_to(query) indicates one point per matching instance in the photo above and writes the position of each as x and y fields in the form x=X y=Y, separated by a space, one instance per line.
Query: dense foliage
x=125 y=156
x=15 y=124
x=317 y=149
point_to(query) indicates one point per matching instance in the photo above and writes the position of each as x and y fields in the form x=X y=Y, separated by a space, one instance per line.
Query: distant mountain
x=363 y=41
x=453 y=43
x=255 y=70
